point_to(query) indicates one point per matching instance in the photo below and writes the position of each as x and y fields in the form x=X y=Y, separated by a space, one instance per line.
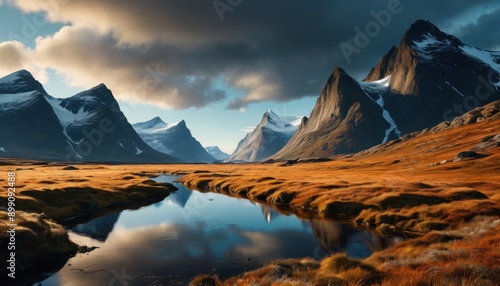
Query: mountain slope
x=269 y=136
x=174 y=139
x=88 y=126
x=28 y=125
x=216 y=152
x=430 y=77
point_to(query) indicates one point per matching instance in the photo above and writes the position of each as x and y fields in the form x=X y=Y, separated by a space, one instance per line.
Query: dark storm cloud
x=484 y=33
x=272 y=50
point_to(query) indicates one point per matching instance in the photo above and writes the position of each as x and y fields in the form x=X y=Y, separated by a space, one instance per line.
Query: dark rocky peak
x=20 y=82
x=423 y=31
x=338 y=76
x=182 y=124
x=384 y=67
x=94 y=99
x=179 y=127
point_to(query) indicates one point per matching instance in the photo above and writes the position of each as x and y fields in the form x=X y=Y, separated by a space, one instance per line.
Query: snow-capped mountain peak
x=414 y=86
x=84 y=127
x=156 y=126
x=423 y=33
x=20 y=82
x=15 y=76
x=153 y=124
x=267 y=138
x=174 y=139
x=280 y=123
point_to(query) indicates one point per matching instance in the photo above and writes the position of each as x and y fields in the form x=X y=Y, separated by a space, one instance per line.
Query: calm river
x=192 y=233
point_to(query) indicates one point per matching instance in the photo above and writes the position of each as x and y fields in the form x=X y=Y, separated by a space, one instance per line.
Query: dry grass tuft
x=205 y=280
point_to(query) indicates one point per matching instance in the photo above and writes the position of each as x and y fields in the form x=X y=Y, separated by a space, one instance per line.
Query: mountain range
x=174 y=139
x=87 y=127
x=272 y=133
x=429 y=78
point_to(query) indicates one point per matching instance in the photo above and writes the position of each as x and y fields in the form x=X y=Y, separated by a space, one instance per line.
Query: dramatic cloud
x=15 y=57
x=177 y=53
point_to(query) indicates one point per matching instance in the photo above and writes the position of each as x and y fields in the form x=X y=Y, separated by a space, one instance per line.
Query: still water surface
x=190 y=233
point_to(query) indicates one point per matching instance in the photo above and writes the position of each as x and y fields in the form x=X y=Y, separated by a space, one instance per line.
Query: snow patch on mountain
x=455 y=89
x=157 y=145
x=490 y=58
x=15 y=101
x=424 y=45
x=379 y=87
x=67 y=117
x=8 y=79
x=428 y=40
x=138 y=151
x=428 y=45
x=159 y=127
x=282 y=123
x=388 y=118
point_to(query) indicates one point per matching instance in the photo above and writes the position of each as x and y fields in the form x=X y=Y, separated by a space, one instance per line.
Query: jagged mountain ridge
x=87 y=127
x=272 y=133
x=430 y=77
x=174 y=139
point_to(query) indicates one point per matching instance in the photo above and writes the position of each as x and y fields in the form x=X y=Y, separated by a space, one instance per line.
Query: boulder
x=468 y=155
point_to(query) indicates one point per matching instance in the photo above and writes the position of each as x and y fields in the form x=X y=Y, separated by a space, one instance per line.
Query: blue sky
x=217 y=67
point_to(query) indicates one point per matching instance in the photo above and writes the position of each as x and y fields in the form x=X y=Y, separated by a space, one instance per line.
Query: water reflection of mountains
x=98 y=228
x=335 y=237
x=331 y=236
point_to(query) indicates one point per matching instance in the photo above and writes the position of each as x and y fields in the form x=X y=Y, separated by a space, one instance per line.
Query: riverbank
x=417 y=185
x=46 y=197
x=411 y=185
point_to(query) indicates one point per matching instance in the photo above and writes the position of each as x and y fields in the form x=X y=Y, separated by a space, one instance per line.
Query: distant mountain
x=429 y=78
x=216 y=153
x=173 y=139
x=86 y=127
x=269 y=137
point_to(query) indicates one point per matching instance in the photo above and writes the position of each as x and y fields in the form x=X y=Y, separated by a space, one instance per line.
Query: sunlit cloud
x=173 y=53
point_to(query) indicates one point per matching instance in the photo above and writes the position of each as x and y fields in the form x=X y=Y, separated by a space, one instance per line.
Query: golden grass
x=37 y=240
x=469 y=255
x=75 y=193
x=394 y=188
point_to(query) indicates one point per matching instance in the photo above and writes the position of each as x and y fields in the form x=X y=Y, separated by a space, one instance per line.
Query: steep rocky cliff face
x=429 y=78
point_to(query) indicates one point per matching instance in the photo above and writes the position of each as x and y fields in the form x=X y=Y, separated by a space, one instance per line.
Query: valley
x=395 y=188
